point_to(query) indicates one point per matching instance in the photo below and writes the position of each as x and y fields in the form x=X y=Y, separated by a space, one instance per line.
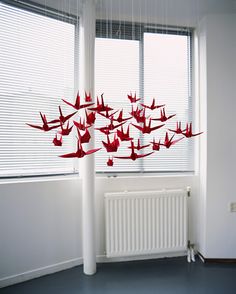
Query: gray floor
x=173 y=275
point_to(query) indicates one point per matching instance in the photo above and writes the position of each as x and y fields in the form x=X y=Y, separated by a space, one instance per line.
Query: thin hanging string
x=110 y=21
x=124 y=33
x=145 y=14
x=165 y=15
x=132 y=18
x=106 y=22
x=140 y=20
x=119 y=28
x=101 y=9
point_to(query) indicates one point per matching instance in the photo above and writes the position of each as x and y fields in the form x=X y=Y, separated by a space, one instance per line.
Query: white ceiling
x=175 y=12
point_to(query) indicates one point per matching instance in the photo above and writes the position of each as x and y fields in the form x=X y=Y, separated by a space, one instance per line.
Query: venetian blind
x=154 y=63
x=36 y=72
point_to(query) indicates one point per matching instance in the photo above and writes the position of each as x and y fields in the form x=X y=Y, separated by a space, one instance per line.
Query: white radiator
x=145 y=222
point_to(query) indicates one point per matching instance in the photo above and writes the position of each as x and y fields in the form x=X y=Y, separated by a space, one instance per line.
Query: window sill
x=32 y=179
x=146 y=175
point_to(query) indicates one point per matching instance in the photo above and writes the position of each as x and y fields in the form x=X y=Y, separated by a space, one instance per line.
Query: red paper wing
x=157 y=127
x=123 y=157
x=138 y=127
x=92 y=151
x=69 y=116
x=69 y=103
x=35 y=126
x=144 y=155
x=69 y=155
x=177 y=140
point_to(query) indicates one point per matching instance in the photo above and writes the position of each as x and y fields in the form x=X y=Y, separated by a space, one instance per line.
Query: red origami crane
x=80 y=125
x=139 y=114
x=62 y=119
x=80 y=152
x=110 y=161
x=45 y=127
x=147 y=129
x=106 y=130
x=111 y=146
x=122 y=135
x=120 y=117
x=178 y=129
x=88 y=97
x=77 y=104
x=133 y=99
x=85 y=138
x=188 y=132
x=56 y=141
x=90 y=117
x=153 y=105
x=101 y=106
x=155 y=145
x=65 y=131
x=139 y=146
x=107 y=115
x=133 y=155
x=163 y=117
x=168 y=142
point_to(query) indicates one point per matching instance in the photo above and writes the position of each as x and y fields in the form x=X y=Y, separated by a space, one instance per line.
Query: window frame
x=135 y=31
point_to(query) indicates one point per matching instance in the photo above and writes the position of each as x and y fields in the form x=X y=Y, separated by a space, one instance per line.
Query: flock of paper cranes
x=117 y=128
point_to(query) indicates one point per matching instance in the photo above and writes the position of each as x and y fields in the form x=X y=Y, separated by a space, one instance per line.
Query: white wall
x=219 y=39
x=40 y=222
x=40 y=227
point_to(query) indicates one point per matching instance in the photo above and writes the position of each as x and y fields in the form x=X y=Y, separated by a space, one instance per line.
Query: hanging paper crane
x=139 y=146
x=156 y=145
x=124 y=136
x=188 y=131
x=62 y=119
x=77 y=104
x=110 y=161
x=133 y=155
x=56 y=141
x=133 y=99
x=147 y=129
x=45 y=127
x=120 y=118
x=153 y=105
x=101 y=106
x=80 y=152
x=163 y=117
x=168 y=142
x=111 y=146
x=178 y=129
x=65 y=131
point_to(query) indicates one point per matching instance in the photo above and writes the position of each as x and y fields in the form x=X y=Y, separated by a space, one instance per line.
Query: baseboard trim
x=36 y=273
x=216 y=260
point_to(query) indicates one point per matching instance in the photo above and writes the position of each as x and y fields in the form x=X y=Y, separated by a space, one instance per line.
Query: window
x=36 y=72
x=153 y=63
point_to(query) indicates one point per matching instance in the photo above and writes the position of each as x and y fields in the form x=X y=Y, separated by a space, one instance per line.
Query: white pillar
x=87 y=37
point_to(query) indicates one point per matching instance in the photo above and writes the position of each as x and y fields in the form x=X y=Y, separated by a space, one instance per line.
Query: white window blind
x=36 y=72
x=166 y=78
x=116 y=74
x=154 y=65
